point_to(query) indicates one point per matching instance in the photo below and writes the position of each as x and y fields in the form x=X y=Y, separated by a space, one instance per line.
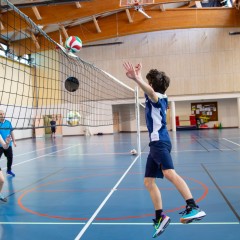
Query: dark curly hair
x=158 y=80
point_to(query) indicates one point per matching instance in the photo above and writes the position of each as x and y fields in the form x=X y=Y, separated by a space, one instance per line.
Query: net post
x=137 y=110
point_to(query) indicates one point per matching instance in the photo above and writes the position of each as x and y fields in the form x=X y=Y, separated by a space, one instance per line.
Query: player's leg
x=153 y=171
x=1 y=151
x=154 y=192
x=9 y=155
x=178 y=182
x=192 y=211
x=2 y=198
x=161 y=221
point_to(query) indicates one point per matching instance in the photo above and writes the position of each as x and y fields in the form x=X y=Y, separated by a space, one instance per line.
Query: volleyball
x=73 y=44
x=73 y=118
x=133 y=152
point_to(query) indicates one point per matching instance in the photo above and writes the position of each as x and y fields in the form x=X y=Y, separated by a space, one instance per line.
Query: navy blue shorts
x=159 y=158
x=53 y=129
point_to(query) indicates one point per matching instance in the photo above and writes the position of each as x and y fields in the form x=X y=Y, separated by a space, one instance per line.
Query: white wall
x=22 y=134
x=198 y=61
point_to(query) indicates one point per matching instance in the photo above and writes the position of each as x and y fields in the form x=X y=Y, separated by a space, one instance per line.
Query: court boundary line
x=221 y=193
x=31 y=159
x=231 y=141
x=80 y=234
x=34 y=183
x=114 y=223
x=21 y=154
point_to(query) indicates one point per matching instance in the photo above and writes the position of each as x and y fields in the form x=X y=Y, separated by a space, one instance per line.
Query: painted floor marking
x=104 y=201
x=29 y=160
x=114 y=223
x=231 y=142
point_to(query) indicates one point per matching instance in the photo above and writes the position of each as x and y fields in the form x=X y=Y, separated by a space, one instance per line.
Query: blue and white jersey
x=155 y=114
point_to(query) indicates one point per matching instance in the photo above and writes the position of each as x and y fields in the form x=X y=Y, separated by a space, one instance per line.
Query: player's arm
x=13 y=139
x=5 y=144
x=134 y=73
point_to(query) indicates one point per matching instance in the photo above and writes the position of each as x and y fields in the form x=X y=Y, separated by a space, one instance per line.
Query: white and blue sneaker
x=160 y=225
x=191 y=214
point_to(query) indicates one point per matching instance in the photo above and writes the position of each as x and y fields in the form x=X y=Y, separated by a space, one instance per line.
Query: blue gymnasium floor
x=92 y=188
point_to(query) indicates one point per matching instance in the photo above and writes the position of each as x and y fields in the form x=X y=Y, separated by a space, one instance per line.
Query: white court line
x=113 y=223
x=199 y=223
x=41 y=223
x=35 y=150
x=231 y=142
x=29 y=160
x=93 y=154
x=104 y=201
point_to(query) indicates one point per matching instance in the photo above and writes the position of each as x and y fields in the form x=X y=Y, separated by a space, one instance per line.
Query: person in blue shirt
x=53 y=127
x=6 y=130
x=159 y=162
x=5 y=145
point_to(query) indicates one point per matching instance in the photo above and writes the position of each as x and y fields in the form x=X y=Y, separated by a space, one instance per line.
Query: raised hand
x=133 y=72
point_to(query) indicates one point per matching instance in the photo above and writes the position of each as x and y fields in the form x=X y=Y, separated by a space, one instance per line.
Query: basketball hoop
x=137 y=5
x=125 y=3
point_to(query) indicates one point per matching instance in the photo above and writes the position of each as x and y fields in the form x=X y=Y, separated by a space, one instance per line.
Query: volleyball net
x=38 y=78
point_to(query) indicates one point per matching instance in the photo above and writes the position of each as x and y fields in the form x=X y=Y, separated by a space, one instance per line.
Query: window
x=6 y=52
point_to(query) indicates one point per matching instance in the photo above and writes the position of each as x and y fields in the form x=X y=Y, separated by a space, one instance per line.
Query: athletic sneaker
x=160 y=225
x=11 y=173
x=3 y=199
x=191 y=214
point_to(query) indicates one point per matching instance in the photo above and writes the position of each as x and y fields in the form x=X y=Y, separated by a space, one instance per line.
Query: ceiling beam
x=96 y=24
x=64 y=31
x=169 y=19
x=113 y=26
x=129 y=16
x=54 y=14
x=44 y=3
x=1 y=26
x=78 y=5
x=34 y=39
x=36 y=12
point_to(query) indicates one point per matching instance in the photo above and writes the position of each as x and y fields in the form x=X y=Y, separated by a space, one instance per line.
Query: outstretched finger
x=128 y=66
x=125 y=66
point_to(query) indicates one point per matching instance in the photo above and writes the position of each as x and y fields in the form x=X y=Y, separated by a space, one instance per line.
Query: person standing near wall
x=6 y=130
x=53 y=127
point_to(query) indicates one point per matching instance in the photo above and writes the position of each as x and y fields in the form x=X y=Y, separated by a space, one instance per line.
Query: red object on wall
x=192 y=120
x=177 y=121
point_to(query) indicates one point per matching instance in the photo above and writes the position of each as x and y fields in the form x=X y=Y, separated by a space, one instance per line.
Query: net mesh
x=52 y=82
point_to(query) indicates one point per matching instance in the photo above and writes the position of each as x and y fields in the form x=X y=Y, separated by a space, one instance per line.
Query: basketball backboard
x=124 y=3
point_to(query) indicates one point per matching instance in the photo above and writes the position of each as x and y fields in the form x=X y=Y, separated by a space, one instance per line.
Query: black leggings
x=9 y=155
